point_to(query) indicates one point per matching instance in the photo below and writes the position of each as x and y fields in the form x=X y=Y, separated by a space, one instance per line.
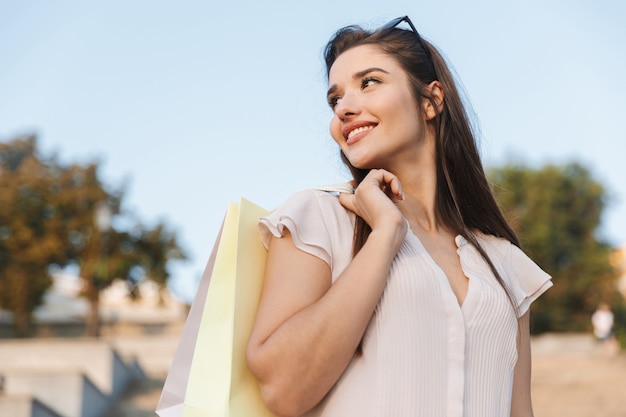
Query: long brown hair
x=464 y=200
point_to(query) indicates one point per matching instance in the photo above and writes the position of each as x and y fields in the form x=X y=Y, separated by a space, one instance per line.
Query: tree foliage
x=47 y=217
x=556 y=211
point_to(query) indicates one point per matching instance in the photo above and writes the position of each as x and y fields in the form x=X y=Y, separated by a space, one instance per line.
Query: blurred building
x=145 y=308
x=58 y=375
x=120 y=302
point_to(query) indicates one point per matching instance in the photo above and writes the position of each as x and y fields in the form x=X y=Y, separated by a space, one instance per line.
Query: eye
x=368 y=82
x=333 y=101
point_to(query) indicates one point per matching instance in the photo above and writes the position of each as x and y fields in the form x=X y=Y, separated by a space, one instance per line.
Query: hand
x=374 y=200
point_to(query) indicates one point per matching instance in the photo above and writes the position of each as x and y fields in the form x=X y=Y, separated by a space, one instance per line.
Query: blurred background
x=127 y=127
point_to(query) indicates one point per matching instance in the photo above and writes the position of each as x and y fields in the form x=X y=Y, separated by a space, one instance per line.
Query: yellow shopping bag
x=219 y=383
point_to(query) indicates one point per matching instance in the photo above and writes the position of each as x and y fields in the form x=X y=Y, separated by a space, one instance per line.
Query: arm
x=307 y=330
x=521 y=404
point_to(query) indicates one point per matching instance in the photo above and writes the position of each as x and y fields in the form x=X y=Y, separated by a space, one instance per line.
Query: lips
x=353 y=129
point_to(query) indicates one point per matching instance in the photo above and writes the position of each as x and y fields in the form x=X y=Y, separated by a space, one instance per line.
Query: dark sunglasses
x=395 y=22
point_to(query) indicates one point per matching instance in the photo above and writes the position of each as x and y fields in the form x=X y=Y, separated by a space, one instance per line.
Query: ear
x=435 y=92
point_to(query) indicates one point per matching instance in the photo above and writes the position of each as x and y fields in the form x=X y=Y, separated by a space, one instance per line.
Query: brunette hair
x=464 y=200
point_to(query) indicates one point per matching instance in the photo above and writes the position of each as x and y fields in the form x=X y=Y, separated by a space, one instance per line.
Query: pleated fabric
x=423 y=354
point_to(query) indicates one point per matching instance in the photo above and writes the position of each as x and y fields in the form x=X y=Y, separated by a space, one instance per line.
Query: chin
x=359 y=164
x=357 y=161
x=362 y=163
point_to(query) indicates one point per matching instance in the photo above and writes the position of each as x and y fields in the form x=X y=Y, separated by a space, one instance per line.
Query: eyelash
x=333 y=100
x=365 y=81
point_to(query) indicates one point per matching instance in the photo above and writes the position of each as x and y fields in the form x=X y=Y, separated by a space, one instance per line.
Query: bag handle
x=344 y=187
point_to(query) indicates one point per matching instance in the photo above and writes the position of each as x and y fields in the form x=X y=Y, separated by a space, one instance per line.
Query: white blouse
x=423 y=354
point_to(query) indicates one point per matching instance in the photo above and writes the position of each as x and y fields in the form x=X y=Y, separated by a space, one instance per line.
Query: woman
x=410 y=296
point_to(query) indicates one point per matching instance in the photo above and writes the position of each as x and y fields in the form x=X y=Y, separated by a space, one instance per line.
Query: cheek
x=335 y=130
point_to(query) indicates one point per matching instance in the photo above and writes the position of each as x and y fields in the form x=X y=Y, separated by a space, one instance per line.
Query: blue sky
x=193 y=104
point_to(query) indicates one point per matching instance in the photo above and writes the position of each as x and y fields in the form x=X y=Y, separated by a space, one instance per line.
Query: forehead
x=358 y=59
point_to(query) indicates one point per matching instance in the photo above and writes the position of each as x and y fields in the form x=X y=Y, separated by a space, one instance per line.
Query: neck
x=420 y=212
x=420 y=191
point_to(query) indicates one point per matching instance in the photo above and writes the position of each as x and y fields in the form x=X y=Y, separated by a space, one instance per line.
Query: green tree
x=556 y=211
x=155 y=247
x=31 y=231
x=48 y=215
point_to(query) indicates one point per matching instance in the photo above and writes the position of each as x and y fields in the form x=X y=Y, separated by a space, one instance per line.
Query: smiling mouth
x=359 y=130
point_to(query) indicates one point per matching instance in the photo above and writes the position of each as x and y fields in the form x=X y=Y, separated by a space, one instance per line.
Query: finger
x=390 y=184
x=396 y=189
x=347 y=201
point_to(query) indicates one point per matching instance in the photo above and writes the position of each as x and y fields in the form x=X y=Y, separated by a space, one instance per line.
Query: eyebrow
x=356 y=76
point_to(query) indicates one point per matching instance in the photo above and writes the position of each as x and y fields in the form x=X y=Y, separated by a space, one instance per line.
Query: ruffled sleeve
x=526 y=280
x=318 y=224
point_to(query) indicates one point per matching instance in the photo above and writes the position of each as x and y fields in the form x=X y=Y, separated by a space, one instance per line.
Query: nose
x=347 y=107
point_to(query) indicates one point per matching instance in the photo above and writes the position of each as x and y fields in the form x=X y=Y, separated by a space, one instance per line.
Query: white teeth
x=359 y=130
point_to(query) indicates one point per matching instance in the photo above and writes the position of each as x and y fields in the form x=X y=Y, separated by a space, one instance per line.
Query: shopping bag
x=173 y=393
x=209 y=376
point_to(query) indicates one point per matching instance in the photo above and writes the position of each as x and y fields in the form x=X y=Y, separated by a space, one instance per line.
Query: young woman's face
x=376 y=121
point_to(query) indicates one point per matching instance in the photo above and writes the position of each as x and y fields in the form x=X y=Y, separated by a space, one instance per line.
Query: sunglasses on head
x=395 y=22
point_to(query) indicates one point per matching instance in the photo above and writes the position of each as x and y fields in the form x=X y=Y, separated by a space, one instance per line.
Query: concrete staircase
x=17 y=405
x=62 y=378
